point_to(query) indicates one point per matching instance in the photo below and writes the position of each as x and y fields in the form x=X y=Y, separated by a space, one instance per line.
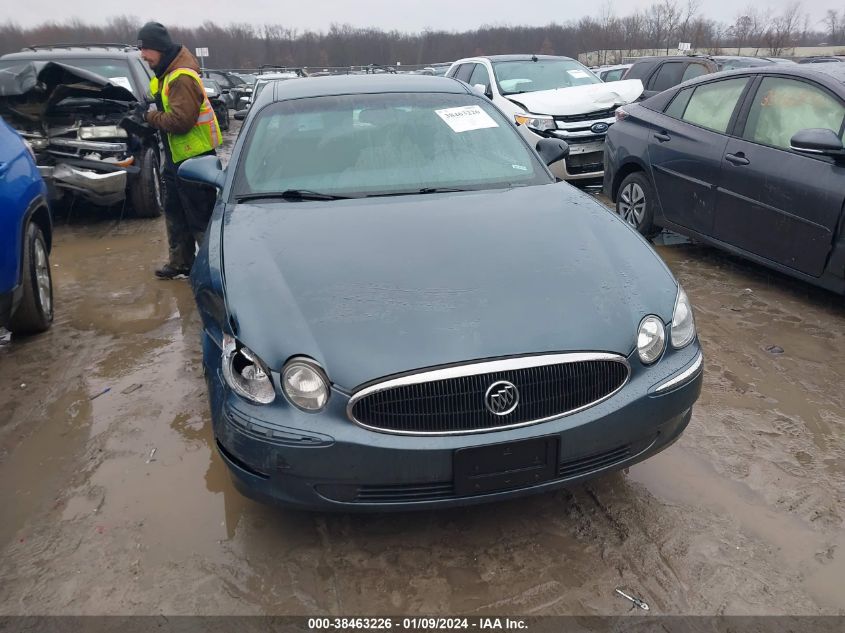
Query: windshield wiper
x=416 y=192
x=295 y=195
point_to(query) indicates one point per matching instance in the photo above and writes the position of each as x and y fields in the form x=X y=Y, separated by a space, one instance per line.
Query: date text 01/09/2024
x=416 y=624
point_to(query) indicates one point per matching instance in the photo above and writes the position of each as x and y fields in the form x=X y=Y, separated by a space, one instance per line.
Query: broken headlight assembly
x=245 y=373
x=305 y=384
x=536 y=122
x=97 y=132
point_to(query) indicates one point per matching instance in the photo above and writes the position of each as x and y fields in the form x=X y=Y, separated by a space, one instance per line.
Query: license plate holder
x=505 y=466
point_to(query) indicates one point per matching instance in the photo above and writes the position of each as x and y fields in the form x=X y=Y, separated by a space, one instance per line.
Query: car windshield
x=383 y=144
x=515 y=77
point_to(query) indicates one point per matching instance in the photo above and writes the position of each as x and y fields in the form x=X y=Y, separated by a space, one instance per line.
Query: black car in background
x=661 y=73
x=232 y=87
x=218 y=101
x=751 y=161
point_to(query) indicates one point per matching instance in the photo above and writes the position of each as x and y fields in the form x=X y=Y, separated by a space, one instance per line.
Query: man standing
x=186 y=120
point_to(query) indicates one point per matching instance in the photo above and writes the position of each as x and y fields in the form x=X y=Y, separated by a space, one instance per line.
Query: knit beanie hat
x=154 y=36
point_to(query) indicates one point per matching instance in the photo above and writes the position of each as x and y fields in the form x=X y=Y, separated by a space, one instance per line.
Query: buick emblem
x=599 y=128
x=501 y=398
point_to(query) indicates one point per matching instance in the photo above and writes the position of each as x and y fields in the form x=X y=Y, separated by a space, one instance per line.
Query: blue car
x=402 y=309
x=26 y=231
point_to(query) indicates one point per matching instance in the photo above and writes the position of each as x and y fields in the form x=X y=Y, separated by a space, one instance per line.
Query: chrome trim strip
x=486 y=367
x=684 y=376
x=89 y=145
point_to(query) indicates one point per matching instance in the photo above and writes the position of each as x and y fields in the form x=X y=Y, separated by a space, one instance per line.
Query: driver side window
x=783 y=107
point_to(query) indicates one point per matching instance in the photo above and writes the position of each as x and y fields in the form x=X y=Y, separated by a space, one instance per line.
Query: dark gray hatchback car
x=402 y=309
x=750 y=161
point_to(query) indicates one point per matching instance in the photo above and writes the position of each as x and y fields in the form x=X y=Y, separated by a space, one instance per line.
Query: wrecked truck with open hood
x=69 y=117
x=552 y=97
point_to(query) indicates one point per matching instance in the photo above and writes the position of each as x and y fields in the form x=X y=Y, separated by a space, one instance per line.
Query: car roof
x=829 y=73
x=336 y=85
x=59 y=52
x=613 y=67
x=513 y=58
x=672 y=58
x=273 y=76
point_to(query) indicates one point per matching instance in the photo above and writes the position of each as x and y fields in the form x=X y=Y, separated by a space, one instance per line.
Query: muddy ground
x=744 y=515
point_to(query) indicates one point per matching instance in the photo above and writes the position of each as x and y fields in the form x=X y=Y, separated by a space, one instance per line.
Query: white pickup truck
x=552 y=97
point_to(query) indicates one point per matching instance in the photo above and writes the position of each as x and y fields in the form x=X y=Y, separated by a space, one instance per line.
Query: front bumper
x=585 y=160
x=102 y=188
x=278 y=454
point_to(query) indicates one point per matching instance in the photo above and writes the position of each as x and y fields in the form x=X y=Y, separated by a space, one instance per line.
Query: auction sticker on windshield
x=578 y=74
x=123 y=82
x=466 y=118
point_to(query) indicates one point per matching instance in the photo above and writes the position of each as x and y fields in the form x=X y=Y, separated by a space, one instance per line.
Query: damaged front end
x=69 y=118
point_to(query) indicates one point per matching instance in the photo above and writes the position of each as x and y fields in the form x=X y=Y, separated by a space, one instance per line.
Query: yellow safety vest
x=204 y=136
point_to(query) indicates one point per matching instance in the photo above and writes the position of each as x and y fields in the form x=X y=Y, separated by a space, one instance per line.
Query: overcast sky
x=386 y=14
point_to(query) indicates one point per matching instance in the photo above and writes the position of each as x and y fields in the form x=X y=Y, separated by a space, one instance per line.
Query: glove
x=140 y=110
x=136 y=126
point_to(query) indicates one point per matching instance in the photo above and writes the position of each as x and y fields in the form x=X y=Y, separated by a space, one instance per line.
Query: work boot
x=171 y=272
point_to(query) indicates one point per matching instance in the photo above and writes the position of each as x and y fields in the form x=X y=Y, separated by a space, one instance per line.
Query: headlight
x=245 y=373
x=651 y=339
x=305 y=384
x=683 y=321
x=536 y=122
x=101 y=131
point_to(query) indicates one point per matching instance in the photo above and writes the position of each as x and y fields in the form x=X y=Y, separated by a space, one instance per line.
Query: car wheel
x=34 y=313
x=635 y=203
x=224 y=121
x=145 y=190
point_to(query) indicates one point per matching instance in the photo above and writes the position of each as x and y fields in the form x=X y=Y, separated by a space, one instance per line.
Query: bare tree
x=831 y=22
x=783 y=29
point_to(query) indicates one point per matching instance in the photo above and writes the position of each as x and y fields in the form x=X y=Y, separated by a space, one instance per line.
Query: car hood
x=580 y=99
x=30 y=90
x=375 y=287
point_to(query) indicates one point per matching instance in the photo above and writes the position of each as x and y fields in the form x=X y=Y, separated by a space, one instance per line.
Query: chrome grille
x=452 y=400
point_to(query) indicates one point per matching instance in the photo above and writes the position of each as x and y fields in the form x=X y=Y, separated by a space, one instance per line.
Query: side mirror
x=205 y=170
x=484 y=90
x=818 y=141
x=552 y=150
x=240 y=115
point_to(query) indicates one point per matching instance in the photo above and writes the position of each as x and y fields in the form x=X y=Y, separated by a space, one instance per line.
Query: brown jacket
x=185 y=98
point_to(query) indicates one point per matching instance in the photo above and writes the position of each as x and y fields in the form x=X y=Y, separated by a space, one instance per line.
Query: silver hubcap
x=632 y=204
x=42 y=277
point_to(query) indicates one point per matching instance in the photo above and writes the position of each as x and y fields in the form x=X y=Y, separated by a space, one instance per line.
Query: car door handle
x=737 y=159
x=662 y=137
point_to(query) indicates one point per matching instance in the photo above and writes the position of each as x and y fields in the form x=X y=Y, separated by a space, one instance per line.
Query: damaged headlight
x=101 y=131
x=536 y=122
x=245 y=373
x=305 y=384
x=683 y=322
x=651 y=339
